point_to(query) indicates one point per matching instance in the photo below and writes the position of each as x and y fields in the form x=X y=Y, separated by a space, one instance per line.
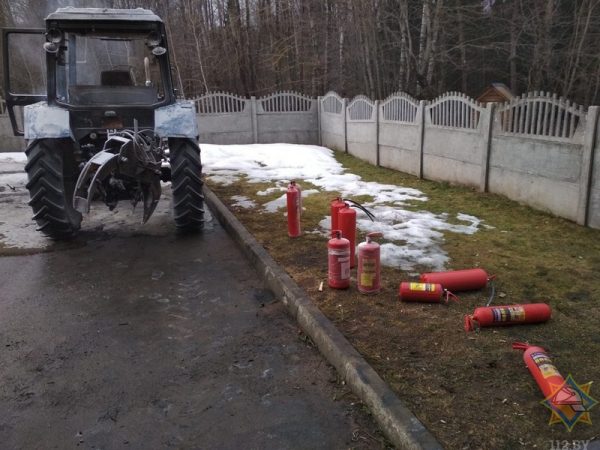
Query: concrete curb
x=401 y=427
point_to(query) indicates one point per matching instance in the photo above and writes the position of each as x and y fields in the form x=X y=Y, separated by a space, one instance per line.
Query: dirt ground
x=471 y=390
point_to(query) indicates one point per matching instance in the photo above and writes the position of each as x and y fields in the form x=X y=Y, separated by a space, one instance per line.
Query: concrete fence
x=281 y=117
x=538 y=149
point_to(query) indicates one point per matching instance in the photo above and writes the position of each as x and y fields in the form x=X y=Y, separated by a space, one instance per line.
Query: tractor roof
x=100 y=14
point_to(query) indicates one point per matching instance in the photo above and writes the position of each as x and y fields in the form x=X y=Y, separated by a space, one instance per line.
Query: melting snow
x=412 y=238
x=242 y=202
x=13 y=157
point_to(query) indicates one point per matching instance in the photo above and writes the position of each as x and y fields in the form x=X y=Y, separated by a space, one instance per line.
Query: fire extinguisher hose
x=354 y=204
x=450 y=295
x=493 y=290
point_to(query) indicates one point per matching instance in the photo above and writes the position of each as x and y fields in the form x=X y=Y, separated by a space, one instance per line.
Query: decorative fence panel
x=454 y=146
x=541 y=115
x=538 y=153
x=400 y=133
x=361 y=129
x=225 y=119
x=287 y=117
x=333 y=121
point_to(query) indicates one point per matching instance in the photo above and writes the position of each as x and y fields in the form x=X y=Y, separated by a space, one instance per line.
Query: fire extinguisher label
x=545 y=365
x=344 y=268
x=425 y=287
x=509 y=314
x=366 y=279
x=368 y=272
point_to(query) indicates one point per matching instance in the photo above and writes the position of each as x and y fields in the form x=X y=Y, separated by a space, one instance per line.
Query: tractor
x=93 y=96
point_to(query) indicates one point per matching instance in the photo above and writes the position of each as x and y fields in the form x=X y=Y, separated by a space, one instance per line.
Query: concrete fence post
x=587 y=161
x=486 y=146
x=345 y=111
x=377 y=132
x=254 y=119
x=421 y=133
x=319 y=125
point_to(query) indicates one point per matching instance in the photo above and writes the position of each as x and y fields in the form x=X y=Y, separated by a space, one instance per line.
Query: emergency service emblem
x=570 y=403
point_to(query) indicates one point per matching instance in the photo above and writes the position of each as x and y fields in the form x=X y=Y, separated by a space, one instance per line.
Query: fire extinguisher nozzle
x=520 y=346
x=468 y=323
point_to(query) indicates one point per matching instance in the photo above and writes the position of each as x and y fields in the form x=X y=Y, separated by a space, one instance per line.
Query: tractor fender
x=42 y=121
x=176 y=120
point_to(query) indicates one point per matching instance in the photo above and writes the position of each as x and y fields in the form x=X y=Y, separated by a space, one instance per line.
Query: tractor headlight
x=153 y=39
x=54 y=35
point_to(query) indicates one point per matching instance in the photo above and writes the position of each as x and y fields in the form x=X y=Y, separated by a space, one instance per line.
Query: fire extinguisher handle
x=520 y=346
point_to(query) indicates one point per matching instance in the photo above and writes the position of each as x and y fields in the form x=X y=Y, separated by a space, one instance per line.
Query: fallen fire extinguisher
x=546 y=375
x=338 y=261
x=368 y=277
x=343 y=218
x=458 y=280
x=424 y=292
x=294 y=202
x=489 y=316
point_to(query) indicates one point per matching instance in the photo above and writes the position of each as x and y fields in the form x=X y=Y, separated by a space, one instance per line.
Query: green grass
x=470 y=390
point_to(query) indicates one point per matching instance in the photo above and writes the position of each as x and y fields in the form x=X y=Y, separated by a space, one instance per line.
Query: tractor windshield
x=104 y=69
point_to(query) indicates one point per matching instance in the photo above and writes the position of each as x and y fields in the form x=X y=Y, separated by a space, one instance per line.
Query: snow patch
x=17 y=157
x=241 y=201
x=412 y=238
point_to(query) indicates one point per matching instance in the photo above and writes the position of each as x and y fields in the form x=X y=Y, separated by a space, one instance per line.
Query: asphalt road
x=133 y=337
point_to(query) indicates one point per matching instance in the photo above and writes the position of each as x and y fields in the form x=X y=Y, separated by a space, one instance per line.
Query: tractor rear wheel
x=52 y=174
x=186 y=182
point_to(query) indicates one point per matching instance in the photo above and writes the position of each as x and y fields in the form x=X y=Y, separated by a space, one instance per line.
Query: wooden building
x=496 y=93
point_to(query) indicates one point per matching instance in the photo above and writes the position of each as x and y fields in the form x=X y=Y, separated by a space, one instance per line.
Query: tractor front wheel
x=52 y=174
x=186 y=182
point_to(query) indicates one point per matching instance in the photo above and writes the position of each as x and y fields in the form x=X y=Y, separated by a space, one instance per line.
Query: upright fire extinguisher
x=546 y=375
x=347 y=225
x=368 y=276
x=334 y=208
x=293 y=197
x=338 y=261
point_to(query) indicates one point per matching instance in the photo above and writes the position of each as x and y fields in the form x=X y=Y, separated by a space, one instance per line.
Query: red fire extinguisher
x=338 y=251
x=368 y=276
x=424 y=292
x=293 y=197
x=335 y=206
x=547 y=377
x=489 y=316
x=458 y=280
x=347 y=225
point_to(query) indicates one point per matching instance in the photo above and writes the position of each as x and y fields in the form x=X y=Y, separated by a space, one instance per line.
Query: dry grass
x=471 y=390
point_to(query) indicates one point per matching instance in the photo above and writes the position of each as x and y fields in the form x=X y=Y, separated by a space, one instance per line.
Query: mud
x=131 y=336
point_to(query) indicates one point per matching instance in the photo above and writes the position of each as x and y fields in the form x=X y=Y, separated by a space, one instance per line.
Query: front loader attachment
x=129 y=166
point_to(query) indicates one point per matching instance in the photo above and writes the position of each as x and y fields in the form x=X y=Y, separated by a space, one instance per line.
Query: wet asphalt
x=134 y=337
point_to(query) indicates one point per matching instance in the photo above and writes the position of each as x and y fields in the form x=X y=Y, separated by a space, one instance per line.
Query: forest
x=371 y=47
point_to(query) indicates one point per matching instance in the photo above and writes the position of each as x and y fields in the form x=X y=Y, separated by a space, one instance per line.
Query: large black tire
x=186 y=181
x=52 y=173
